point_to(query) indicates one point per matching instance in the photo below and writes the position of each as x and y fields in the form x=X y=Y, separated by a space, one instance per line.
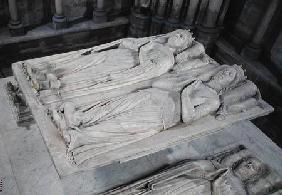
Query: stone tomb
x=167 y=64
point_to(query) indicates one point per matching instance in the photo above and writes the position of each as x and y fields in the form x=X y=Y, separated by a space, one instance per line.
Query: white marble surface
x=28 y=169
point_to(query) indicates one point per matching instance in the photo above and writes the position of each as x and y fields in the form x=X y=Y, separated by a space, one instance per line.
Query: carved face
x=180 y=40
x=249 y=169
x=223 y=78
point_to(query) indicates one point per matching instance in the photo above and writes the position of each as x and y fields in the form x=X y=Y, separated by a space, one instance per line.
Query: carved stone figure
x=131 y=89
x=118 y=64
x=232 y=172
x=109 y=124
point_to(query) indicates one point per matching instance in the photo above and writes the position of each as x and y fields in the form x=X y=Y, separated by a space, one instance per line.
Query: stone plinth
x=16 y=28
x=59 y=22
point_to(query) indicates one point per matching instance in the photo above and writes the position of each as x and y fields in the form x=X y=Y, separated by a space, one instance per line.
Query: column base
x=100 y=16
x=16 y=28
x=251 y=51
x=208 y=36
x=59 y=22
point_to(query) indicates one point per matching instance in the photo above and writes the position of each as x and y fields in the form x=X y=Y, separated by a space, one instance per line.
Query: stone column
x=208 y=30
x=253 y=49
x=59 y=20
x=161 y=8
x=212 y=13
x=158 y=19
x=136 y=3
x=175 y=11
x=100 y=13
x=174 y=16
x=15 y=25
x=191 y=12
x=153 y=6
x=224 y=10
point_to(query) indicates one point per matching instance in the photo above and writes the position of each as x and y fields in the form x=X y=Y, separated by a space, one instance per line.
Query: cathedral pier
x=59 y=20
x=100 y=13
x=15 y=25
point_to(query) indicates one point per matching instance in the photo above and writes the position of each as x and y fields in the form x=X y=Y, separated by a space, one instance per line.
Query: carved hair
x=216 y=81
x=180 y=40
x=262 y=170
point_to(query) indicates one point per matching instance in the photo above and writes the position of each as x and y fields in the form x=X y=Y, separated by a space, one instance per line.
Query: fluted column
x=100 y=13
x=153 y=6
x=224 y=10
x=175 y=11
x=191 y=12
x=212 y=13
x=208 y=29
x=158 y=18
x=160 y=13
x=15 y=25
x=59 y=20
x=253 y=49
x=174 y=17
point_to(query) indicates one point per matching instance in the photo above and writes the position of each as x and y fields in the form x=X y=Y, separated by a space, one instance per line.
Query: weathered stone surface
x=115 y=102
x=32 y=168
x=234 y=171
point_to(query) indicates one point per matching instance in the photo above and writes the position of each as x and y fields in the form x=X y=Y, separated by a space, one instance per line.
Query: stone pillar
x=212 y=13
x=159 y=18
x=174 y=16
x=175 y=11
x=59 y=20
x=223 y=12
x=153 y=6
x=253 y=49
x=136 y=4
x=15 y=25
x=100 y=13
x=208 y=30
x=191 y=12
x=161 y=8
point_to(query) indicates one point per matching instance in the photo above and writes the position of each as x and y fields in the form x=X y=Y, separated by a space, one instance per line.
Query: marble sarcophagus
x=132 y=97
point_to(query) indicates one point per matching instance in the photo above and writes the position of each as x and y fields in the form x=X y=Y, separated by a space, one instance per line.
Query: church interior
x=247 y=33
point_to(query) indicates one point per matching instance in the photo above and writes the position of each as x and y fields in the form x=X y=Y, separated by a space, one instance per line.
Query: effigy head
x=180 y=40
x=226 y=78
x=250 y=170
